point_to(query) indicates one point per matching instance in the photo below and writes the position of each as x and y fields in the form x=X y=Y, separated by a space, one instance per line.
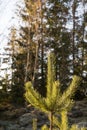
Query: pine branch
x=50 y=74
x=71 y=89
x=34 y=97
x=64 y=120
x=55 y=95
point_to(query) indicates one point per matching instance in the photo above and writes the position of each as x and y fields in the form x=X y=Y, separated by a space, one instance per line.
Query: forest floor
x=9 y=111
x=24 y=115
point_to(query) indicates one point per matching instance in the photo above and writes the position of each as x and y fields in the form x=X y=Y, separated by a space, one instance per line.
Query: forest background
x=58 y=26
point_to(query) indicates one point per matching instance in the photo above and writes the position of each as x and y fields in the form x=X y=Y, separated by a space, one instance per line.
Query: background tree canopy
x=57 y=26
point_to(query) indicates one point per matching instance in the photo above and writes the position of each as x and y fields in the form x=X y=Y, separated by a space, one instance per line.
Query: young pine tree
x=55 y=101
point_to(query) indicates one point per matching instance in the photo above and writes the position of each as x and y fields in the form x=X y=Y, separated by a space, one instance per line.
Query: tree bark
x=73 y=35
x=51 y=121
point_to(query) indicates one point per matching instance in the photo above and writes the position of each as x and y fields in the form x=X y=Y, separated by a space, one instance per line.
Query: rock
x=1 y=128
x=82 y=124
x=13 y=127
x=4 y=123
x=15 y=113
x=26 y=119
x=76 y=114
x=26 y=128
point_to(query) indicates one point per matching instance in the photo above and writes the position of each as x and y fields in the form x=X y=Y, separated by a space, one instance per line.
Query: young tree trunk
x=73 y=35
x=36 y=63
x=42 y=47
x=83 y=32
x=51 y=121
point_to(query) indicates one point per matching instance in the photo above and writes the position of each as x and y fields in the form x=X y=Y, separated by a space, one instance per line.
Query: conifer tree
x=31 y=38
x=58 y=36
x=55 y=101
x=18 y=60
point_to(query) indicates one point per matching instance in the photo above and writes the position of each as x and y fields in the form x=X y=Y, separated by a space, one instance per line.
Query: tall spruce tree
x=18 y=61
x=58 y=37
x=78 y=39
x=29 y=33
x=32 y=33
